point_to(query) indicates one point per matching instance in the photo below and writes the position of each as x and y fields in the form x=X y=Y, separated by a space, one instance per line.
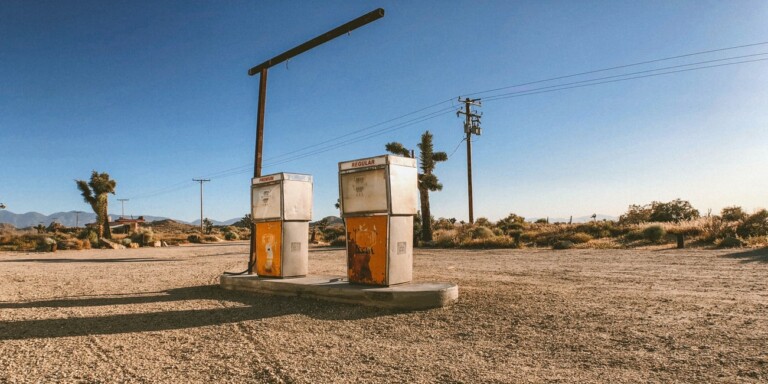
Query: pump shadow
x=759 y=255
x=244 y=307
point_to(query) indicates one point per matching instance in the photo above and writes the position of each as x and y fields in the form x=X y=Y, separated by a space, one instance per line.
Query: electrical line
x=618 y=67
x=286 y=157
x=595 y=82
x=457 y=147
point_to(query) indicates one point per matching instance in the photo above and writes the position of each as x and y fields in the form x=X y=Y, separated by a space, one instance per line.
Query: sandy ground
x=158 y=316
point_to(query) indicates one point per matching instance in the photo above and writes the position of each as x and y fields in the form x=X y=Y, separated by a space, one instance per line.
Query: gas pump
x=378 y=203
x=281 y=207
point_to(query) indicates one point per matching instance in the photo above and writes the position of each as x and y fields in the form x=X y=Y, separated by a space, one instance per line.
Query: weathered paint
x=367 y=249
x=269 y=248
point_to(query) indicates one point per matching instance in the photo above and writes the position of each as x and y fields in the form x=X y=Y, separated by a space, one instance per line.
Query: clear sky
x=156 y=93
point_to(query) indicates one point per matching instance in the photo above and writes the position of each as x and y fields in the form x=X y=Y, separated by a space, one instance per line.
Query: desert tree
x=428 y=182
x=96 y=193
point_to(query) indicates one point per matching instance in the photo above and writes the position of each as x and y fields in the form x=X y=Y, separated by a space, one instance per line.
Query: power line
x=301 y=153
x=596 y=82
x=619 y=67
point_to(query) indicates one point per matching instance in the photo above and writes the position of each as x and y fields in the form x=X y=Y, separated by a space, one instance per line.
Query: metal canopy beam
x=330 y=35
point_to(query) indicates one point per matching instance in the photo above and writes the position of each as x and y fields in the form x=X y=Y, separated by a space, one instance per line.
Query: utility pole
x=471 y=126
x=122 y=205
x=201 y=181
x=262 y=68
x=77 y=218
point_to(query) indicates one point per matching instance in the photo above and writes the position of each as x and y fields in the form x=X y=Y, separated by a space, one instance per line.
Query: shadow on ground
x=751 y=256
x=232 y=307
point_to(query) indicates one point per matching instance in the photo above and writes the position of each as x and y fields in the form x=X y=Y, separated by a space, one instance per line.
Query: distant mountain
x=331 y=220
x=581 y=219
x=68 y=219
x=215 y=222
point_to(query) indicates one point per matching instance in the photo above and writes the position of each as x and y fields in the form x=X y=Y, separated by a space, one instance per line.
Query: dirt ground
x=158 y=316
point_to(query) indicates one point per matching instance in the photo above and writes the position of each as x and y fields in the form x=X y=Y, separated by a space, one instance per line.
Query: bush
x=90 y=235
x=730 y=242
x=127 y=242
x=562 y=244
x=340 y=241
x=143 y=236
x=579 y=238
x=734 y=213
x=654 y=233
x=211 y=239
x=516 y=235
x=755 y=224
x=231 y=236
x=482 y=233
x=444 y=238
x=46 y=244
x=194 y=239
x=75 y=244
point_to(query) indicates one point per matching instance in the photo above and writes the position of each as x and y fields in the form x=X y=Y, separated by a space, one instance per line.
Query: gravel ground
x=158 y=316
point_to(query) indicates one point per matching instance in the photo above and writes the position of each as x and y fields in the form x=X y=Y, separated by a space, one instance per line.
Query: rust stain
x=367 y=249
x=268 y=248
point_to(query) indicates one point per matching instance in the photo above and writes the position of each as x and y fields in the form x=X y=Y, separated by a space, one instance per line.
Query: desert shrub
x=90 y=235
x=542 y=221
x=654 y=233
x=730 y=242
x=7 y=237
x=231 y=236
x=444 y=238
x=211 y=239
x=511 y=222
x=579 y=238
x=562 y=244
x=127 y=242
x=685 y=228
x=143 y=236
x=86 y=244
x=673 y=211
x=734 y=213
x=599 y=229
x=483 y=222
x=491 y=242
x=332 y=232
x=443 y=223
x=755 y=224
x=636 y=214
x=340 y=241
x=516 y=235
x=46 y=244
x=72 y=243
x=194 y=238
x=482 y=233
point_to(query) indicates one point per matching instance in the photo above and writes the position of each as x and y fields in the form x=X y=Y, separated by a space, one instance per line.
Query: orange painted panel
x=367 y=249
x=269 y=237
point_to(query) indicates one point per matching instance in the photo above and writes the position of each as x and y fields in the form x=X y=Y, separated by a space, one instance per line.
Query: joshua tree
x=96 y=192
x=427 y=180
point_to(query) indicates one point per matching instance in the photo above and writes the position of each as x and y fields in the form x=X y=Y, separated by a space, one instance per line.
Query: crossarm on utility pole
x=325 y=37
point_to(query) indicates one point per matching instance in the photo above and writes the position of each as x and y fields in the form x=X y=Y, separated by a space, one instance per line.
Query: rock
x=157 y=244
x=134 y=245
x=112 y=245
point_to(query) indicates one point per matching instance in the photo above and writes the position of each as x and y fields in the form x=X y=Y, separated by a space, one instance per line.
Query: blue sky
x=156 y=93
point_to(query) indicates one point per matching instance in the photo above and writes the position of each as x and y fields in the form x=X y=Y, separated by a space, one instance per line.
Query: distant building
x=131 y=225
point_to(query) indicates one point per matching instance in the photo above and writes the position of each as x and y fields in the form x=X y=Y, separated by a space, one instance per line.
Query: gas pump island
x=378 y=203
